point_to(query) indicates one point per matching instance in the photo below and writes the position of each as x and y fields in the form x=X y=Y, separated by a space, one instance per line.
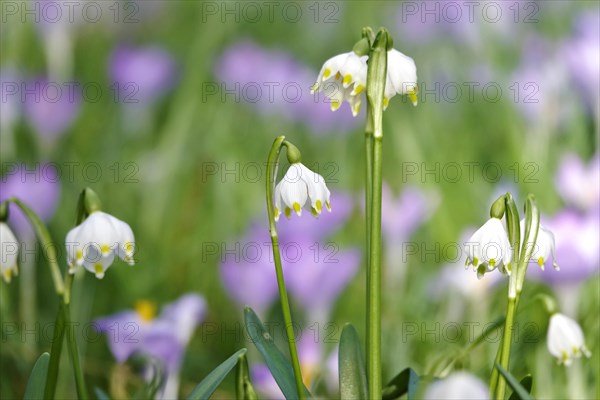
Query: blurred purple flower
x=583 y=58
x=578 y=184
x=539 y=84
x=318 y=228
x=577 y=239
x=248 y=272
x=50 y=107
x=317 y=273
x=143 y=74
x=38 y=187
x=277 y=84
x=402 y=215
x=164 y=338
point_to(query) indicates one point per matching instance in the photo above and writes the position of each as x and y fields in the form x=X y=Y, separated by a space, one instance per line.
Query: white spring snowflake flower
x=565 y=339
x=544 y=247
x=489 y=248
x=401 y=77
x=298 y=185
x=94 y=243
x=349 y=73
x=344 y=78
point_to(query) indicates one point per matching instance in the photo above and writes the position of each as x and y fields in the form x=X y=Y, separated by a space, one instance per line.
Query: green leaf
x=278 y=364
x=404 y=383
x=209 y=384
x=519 y=391
x=37 y=379
x=353 y=378
x=101 y=394
x=243 y=385
x=527 y=384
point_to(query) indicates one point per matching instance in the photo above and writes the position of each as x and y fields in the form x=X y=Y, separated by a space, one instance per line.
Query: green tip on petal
x=328 y=206
x=335 y=104
x=347 y=80
x=412 y=95
x=298 y=208
x=319 y=206
x=326 y=73
x=314 y=212
x=288 y=212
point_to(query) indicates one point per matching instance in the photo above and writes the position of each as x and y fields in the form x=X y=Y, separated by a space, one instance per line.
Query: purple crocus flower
x=276 y=84
x=247 y=270
x=583 y=58
x=402 y=215
x=316 y=273
x=50 y=107
x=326 y=224
x=38 y=187
x=164 y=338
x=143 y=74
x=578 y=184
x=539 y=84
x=577 y=236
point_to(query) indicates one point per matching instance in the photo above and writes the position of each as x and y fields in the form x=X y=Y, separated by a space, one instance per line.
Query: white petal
x=294 y=191
x=402 y=72
x=9 y=250
x=317 y=189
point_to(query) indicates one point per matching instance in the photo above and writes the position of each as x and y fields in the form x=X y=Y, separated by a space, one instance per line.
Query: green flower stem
x=285 y=305
x=368 y=204
x=376 y=78
x=55 y=351
x=48 y=247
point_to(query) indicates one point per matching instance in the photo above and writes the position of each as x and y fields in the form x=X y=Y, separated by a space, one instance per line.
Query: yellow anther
x=146 y=310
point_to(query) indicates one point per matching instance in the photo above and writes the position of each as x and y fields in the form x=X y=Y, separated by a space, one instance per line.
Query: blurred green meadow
x=499 y=108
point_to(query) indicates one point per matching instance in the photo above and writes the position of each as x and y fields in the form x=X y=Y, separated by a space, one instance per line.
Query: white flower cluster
x=349 y=73
x=489 y=248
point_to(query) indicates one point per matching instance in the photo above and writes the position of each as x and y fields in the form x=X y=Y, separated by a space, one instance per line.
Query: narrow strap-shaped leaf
x=243 y=386
x=37 y=379
x=353 y=377
x=527 y=383
x=209 y=384
x=404 y=383
x=519 y=390
x=278 y=364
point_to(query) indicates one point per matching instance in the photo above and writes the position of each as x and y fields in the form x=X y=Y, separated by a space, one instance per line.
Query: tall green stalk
x=368 y=204
x=376 y=79
x=520 y=260
x=272 y=162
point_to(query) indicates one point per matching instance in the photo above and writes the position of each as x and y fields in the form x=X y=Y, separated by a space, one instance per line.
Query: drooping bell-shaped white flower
x=343 y=78
x=401 y=77
x=94 y=243
x=565 y=339
x=298 y=185
x=544 y=247
x=489 y=248
x=9 y=250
